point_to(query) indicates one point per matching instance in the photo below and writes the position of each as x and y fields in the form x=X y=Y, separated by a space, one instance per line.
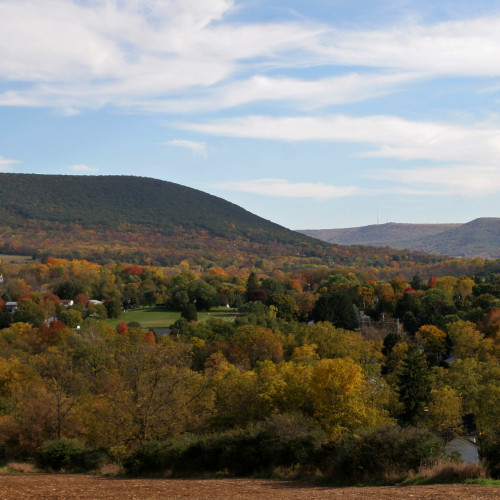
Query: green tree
x=338 y=308
x=413 y=385
x=286 y=307
x=189 y=312
x=29 y=312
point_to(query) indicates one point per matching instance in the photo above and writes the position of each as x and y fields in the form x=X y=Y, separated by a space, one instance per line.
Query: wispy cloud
x=392 y=137
x=5 y=164
x=285 y=189
x=83 y=168
x=143 y=55
x=198 y=147
x=463 y=180
x=294 y=92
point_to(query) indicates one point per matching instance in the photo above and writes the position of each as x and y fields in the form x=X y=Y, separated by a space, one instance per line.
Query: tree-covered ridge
x=124 y=202
x=147 y=221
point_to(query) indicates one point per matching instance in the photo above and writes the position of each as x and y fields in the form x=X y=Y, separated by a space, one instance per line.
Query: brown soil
x=69 y=486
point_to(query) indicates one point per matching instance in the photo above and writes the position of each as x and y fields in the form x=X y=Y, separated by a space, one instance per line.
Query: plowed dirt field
x=62 y=486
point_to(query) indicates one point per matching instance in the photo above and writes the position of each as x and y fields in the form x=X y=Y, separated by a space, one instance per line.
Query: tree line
x=312 y=345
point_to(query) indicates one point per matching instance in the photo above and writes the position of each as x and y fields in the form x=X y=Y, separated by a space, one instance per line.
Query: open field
x=66 y=486
x=158 y=317
x=18 y=259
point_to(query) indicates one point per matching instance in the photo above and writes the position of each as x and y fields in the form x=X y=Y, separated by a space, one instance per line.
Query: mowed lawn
x=157 y=317
x=17 y=259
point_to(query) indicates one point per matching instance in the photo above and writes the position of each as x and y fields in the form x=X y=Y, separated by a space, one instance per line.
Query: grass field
x=159 y=317
x=18 y=259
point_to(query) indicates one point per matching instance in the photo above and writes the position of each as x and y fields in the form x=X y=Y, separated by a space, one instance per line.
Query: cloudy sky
x=313 y=114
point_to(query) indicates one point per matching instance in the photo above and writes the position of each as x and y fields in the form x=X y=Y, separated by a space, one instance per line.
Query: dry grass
x=446 y=471
x=20 y=467
x=111 y=470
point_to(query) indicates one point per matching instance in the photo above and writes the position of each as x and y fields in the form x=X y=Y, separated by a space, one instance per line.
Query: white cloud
x=83 y=168
x=198 y=147
x=467 y=47
x=5 y=164
x=285 y=189
x=393 y=137
x=144 y=55
x=468 y=181
x=306 y=94
x=282 y=188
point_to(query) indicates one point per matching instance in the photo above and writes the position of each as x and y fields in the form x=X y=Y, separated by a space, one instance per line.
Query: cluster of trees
x=315 y=344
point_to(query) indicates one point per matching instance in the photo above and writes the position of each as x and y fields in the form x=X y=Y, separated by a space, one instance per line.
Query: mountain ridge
x=144 y=220
x=477 y=238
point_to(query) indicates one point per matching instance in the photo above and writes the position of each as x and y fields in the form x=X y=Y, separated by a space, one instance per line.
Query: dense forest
x=320 y=368
x=152 y=222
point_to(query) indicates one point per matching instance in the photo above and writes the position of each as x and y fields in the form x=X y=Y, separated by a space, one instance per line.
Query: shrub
x=149 y=457
x=389 y=452
x=68 y=454
x=283 y=440
x=489 y=451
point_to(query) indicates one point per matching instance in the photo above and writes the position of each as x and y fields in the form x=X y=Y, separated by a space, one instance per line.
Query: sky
x=313 y=114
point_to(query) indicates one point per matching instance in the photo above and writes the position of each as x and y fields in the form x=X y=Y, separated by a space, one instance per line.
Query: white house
x=11 y=307
x=468 y=450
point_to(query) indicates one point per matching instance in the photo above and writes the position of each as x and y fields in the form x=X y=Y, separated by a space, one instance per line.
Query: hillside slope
x=124 y=201
x=143 y=220
x=389 y=234
x=478 y=238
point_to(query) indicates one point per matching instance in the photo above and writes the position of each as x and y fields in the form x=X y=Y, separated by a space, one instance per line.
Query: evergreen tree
x=252 y=286
x=189 y=312
x=413 y=385
x=338 y=308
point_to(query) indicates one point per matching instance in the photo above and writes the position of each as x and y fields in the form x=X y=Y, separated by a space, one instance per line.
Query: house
x=162 y=332
x=10 y=307
x=468 y=450
x=1 y=278
x=67 y=303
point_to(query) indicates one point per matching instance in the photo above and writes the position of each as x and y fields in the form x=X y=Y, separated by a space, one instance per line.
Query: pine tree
x=413 y=385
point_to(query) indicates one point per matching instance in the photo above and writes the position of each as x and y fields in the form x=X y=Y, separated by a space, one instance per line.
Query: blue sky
x=317 y=114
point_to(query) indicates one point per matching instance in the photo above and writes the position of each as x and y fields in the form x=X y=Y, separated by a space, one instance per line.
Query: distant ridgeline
x=478 y=238
x=143 y=220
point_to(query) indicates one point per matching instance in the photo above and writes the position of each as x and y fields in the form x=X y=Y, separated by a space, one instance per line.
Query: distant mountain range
x=478 y=238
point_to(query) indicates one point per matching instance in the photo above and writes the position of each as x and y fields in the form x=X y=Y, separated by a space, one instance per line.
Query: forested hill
x=142 y=220
x=123 y=202
x=478 y=238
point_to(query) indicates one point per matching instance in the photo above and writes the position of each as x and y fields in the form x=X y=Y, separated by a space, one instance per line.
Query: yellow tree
x=235 y=394
x=433 y=341
x=444 y=412
x=283 y=387
x=160 y=395
x=469 y=342
x=339 y=397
